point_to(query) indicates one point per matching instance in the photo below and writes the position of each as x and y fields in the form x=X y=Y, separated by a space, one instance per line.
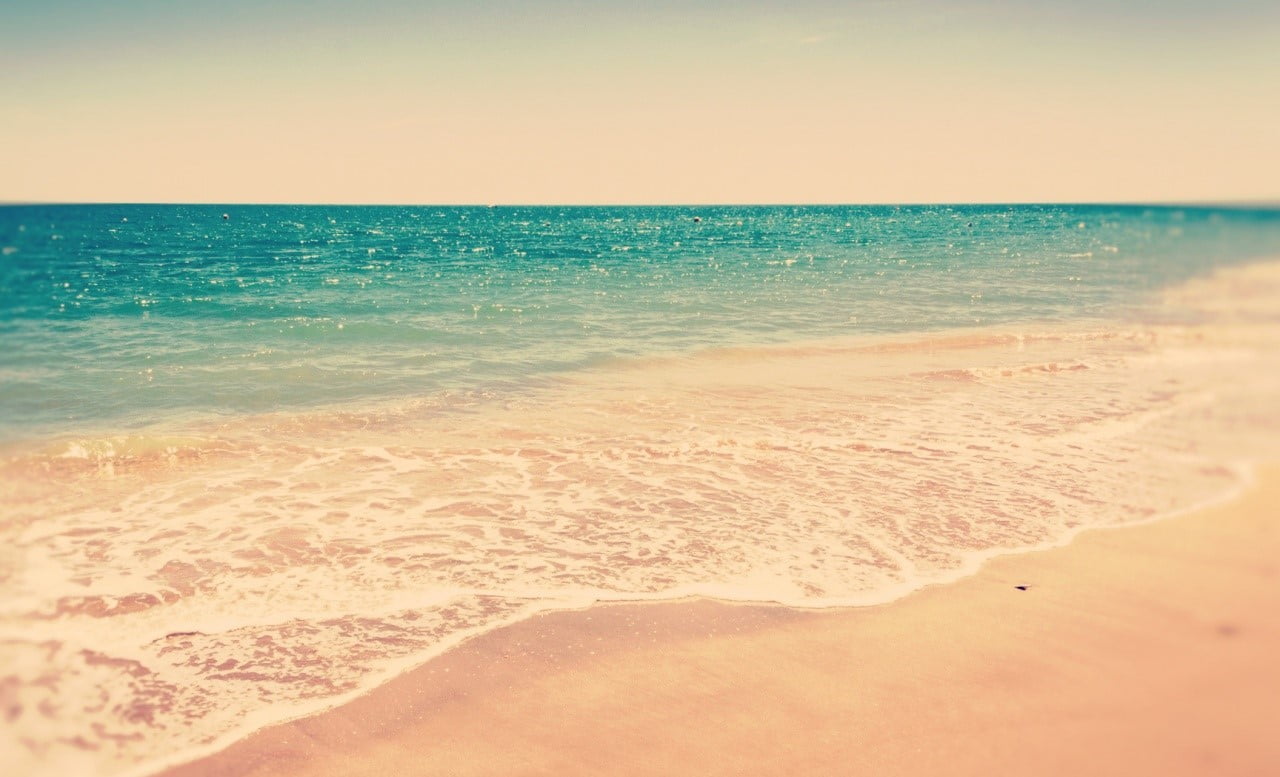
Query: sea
x=257 y=460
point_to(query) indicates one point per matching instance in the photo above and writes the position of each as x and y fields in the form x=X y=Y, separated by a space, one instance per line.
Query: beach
x=565 y=389
x=606 y=490
x=1144 y=650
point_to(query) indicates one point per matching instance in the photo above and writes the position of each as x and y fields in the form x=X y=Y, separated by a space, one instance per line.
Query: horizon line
x=1261 y=202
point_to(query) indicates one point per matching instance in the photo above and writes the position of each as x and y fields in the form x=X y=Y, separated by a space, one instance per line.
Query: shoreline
x=1246 y=473
x=679 y=660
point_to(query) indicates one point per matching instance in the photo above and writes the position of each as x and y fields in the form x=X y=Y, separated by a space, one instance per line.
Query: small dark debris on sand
x=173 y=634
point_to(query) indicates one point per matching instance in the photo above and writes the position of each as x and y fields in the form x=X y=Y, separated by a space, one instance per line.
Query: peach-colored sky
x=610 y=102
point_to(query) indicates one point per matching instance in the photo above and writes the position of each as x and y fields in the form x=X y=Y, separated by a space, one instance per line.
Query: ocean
x=255 y=460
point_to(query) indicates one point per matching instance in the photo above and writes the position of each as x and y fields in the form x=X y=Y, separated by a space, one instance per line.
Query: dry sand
x=1150 y=650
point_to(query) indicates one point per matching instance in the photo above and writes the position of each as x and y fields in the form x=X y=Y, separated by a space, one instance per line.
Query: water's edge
x=1245 y=472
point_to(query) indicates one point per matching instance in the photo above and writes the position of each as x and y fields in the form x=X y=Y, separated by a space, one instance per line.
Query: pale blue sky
x=392 y=101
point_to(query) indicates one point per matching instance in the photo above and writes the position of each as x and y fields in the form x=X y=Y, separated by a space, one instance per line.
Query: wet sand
x=1148 y=650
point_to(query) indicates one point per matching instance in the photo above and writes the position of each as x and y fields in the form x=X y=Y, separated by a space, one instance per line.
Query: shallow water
x=186 y=558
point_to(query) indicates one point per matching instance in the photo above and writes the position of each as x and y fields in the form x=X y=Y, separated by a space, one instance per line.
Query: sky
x=563 y=101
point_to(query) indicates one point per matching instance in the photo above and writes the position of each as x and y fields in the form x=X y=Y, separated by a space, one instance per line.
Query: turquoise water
x=122 y=316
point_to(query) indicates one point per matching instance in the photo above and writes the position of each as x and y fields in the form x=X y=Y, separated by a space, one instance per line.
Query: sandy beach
x=579 y=389
x=1141 y=650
